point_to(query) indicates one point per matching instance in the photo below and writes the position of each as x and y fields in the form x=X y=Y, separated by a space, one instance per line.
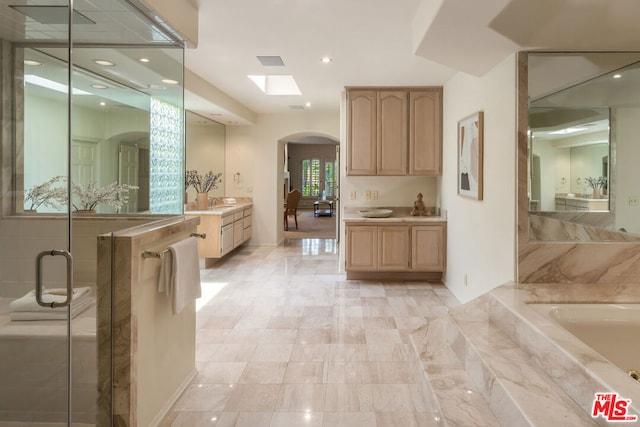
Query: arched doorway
x=309 y=163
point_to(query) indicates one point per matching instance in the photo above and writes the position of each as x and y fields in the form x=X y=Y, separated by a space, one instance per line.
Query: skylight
x=50 y=84
x=276 y=85
x=567 y=131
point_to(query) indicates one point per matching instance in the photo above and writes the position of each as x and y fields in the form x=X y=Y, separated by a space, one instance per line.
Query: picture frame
x=470 y=156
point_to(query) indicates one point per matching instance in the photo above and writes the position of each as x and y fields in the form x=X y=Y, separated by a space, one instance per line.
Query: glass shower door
x=36 y=267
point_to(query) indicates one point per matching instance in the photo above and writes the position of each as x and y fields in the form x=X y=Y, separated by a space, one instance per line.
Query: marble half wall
x=147 y=350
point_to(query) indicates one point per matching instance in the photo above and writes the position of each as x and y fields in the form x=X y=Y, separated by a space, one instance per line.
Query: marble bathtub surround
x=285 y=340
x=528 y=370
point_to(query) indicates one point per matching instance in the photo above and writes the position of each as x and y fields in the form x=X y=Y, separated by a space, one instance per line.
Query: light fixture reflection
x=104 y=62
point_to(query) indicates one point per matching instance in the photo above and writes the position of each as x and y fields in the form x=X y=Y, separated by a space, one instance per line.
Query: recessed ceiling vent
x=51 y=15
x=271 y=61
x=296 y=107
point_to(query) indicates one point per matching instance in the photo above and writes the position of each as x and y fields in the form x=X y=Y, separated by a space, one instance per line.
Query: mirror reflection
x=569 y=159
x=113 y=128
x=584 y=118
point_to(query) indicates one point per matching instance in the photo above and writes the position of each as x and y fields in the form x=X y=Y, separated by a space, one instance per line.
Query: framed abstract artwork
x=470 y=140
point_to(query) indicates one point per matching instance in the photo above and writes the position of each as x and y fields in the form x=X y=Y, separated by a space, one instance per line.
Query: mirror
x=118 y=108
x=584 y=118
x=569 y=158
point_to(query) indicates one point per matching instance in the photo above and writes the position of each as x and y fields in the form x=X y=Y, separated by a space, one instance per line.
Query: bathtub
x=31 y=372
x=609 y=329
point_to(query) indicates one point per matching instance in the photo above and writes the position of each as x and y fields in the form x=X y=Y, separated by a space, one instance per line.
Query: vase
x=202 y=201
x=596 y=193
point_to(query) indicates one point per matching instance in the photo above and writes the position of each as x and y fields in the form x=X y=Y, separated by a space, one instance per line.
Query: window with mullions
x=318 y=178
x=329 y=179
x=311 y=177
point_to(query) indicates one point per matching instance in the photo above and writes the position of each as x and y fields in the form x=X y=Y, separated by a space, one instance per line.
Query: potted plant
x=202 y=184
x=46 y=194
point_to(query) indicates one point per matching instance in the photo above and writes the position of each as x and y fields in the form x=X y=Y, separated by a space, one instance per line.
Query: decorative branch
x=202 y=184
x=597 y=183
x=46 y=194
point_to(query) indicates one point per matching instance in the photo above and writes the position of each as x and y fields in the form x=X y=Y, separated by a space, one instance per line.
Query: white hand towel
x=77 y=307
x=26 y=307
x=28 y=302
x=180 y=274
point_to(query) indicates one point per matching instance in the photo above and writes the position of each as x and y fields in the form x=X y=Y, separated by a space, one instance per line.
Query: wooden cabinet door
x=226 y=239
x=393 y=248
x=362 y=248
x=425 y=132
x=238 y=233
x=393 y=122
x=428 y=248
x=361 y=132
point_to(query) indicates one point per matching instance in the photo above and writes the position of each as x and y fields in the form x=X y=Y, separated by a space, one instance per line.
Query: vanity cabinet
x=394 y=131
x=579 y=204
x=395 y=247
x=225 y=231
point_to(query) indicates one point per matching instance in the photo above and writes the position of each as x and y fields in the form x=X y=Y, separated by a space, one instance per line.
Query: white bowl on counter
x=375 y=213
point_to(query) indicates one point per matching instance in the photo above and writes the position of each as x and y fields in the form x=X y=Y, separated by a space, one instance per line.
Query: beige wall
x=205 y=147
x=256 y=153
x=481 y=234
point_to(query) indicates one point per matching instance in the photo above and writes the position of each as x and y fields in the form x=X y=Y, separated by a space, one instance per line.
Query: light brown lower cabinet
x=224 y=232
x=399 y=247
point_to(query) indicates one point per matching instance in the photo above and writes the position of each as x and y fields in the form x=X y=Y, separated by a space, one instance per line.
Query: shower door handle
x=69 y=257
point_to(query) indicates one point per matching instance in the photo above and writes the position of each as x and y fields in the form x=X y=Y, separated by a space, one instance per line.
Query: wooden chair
x=291 y=207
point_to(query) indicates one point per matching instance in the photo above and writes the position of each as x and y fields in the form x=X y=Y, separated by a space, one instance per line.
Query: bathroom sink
x=375 y=213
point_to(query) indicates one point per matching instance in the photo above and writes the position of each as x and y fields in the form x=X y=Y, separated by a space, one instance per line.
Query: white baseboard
x=173 y=399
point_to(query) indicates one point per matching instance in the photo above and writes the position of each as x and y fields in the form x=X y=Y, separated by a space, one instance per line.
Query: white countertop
x=220 y=209
x=400 y=214
x=583 y=199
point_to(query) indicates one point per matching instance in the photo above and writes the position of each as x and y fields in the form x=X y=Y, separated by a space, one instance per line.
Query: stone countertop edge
x=220 y=210
x=400 y=214
x=393 y=218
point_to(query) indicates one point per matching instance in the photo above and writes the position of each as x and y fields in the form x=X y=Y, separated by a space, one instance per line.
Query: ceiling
x=378 y=42
x=370 y=42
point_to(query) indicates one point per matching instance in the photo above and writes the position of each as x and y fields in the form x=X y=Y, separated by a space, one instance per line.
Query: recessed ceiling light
x=32 y=62
x=276 y=85
x=145 y=60
x=157 y=87
x=99 y=86
x=170 y=81
x=617 y=76
x=104 y=62
x=326 y=60
x=308 y=104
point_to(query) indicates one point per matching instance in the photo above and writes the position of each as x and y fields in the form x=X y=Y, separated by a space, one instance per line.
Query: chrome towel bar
x=160 y=254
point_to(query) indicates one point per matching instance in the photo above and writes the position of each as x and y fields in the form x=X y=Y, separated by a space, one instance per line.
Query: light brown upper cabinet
x=394 y=131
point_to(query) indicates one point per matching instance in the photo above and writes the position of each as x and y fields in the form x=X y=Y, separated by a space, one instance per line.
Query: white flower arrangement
x=202 y=184
x=87 y=198
x=46 y=194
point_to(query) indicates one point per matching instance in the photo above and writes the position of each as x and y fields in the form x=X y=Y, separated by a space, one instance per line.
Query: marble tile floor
x=283 y=339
